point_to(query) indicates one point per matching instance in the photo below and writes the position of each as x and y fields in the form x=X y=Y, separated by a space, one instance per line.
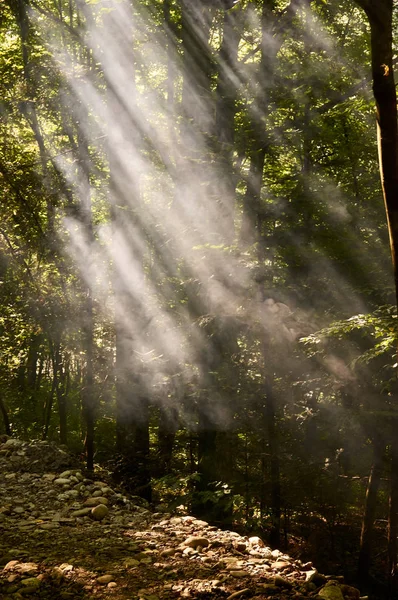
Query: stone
x=11 y=564
x=256 y=541
x=31 y=582
x=12 y=443
x=99 y=512
x=104 y=579
x=195 y=542
x=280 y=564
x=82 y=512
x=96 y=501
x=349 y=592
x=62 y=481
x=168 y=552
x=331 y=592
x=65 y=474
x=315 y=577
x=49 y=526
x=238 y=594
x=269 y=589
x=131 y=562
x=282 y=582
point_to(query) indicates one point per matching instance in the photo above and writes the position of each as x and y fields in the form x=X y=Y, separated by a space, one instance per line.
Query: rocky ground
x=66 y=537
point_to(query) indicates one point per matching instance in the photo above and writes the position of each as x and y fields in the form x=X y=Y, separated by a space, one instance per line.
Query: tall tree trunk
x=393 y=515
x=167 y=429
x=365 y=547
x=60 y=395
x=89 y=403
x=225 y=108
x=31 y=363
x=380 y=17
x=273 y=448
x=6 y=420
x=54 y=386
x=254 y=212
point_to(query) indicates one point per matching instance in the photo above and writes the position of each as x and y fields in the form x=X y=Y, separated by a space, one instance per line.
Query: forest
x=198 y=259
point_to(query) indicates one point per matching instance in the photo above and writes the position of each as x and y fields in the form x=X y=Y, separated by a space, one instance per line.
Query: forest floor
x=64 y=536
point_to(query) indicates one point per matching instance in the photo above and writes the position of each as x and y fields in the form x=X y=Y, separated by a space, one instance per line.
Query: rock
x=282 y=582
x=99 y=512
x=62 y=481
x=96 y=501
x=331 y=592
x=168 y=552
x=349 y=592
x=12 y=443
x=131 y=562
x=65 y=474
x=315 y=577
x=31 y=582
x=256 y=541
x=196 y=542
x=280 y=564
x=238 y=594
x=269 y=589
x=11 y=564
x=49 y=526
x=104 y=579
x=82 y=512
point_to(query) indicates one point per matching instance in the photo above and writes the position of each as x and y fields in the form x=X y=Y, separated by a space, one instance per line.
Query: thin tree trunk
x=61 y=400
x=6 y=420
x=273 y=446
x=226 y=92
x=365 y=547
x=50 y=399
x=167 y=429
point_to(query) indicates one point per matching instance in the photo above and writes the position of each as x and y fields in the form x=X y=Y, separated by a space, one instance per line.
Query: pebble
x=96 y=501
x=104 y=579
x=99 y=512
x=195 y=542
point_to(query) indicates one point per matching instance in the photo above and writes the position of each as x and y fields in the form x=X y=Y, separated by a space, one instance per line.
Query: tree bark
x=365 y=547
x=6 y=420
x=167 y=429
x=273 y=447
x=61 y=398
x=380 y=16
x=393 y=516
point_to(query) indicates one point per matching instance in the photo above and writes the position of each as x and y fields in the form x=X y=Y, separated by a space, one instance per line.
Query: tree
x=381 y=30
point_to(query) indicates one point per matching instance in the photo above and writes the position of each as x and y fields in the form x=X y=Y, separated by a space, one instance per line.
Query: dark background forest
x=196 y=282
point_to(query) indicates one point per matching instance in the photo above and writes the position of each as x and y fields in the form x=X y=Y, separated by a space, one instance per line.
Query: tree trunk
x=393 y=516
x=226 y=92
x=273 y=447
x=50 y=400
x=254 y=213
x=365 y=546
x=380 y=17
x=6 y=420
x=31 y=363
x=60 y=395
x=167 y=429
